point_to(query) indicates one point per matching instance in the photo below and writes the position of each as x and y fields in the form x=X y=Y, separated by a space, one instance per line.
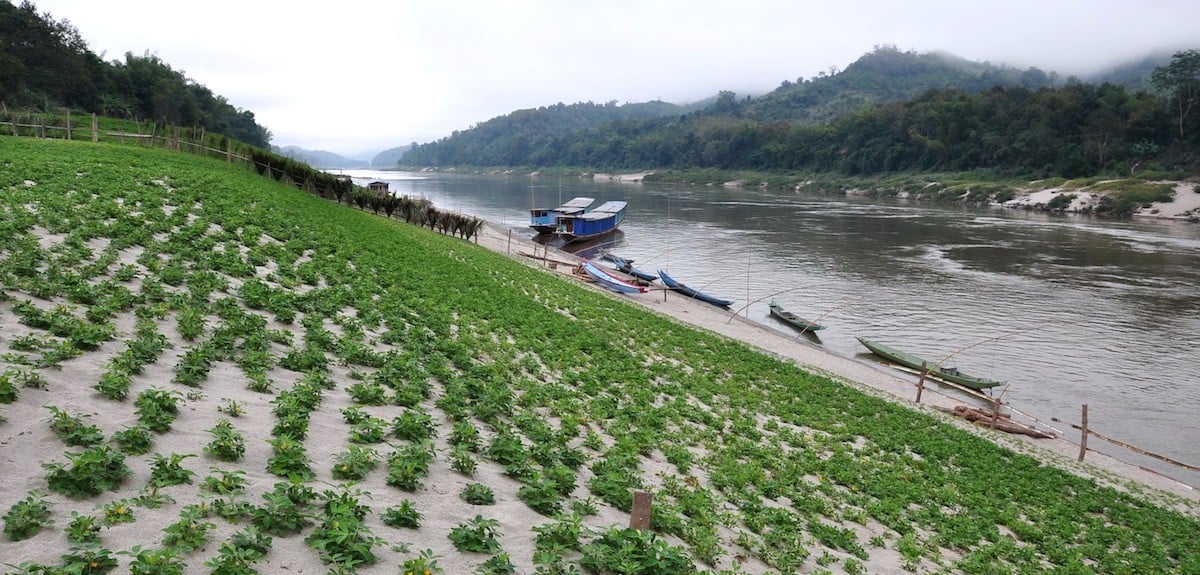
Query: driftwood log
x=1004 y=422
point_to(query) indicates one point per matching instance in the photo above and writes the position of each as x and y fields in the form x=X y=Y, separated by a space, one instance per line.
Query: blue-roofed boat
x=545 y=221
x=626 y=267
x=687 y=291
x=588 y=225
x=610 y=281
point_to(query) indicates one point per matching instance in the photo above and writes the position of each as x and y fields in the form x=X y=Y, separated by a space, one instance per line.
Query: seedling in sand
x=168 y=471
x=404 y=515
x=227 y=443
x=476 y=536
x=83 y=529
x=120 y=511
x=89 y=473
x=27 y=517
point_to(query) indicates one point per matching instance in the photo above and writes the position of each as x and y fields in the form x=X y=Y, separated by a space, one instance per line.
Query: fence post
x=95 y=131
x=228 y=151
x=508 y=248
x=921 y=382
x=68 y=123
x=1083 y=438
x=639 y=518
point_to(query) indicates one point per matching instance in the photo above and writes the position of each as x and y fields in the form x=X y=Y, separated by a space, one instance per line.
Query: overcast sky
x=354 y=76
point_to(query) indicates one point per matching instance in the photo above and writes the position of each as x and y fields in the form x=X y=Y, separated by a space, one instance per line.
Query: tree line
x=45 y=63
x=1073 y=130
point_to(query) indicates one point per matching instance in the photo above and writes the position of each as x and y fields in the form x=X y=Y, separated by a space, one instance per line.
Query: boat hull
x=610 y=281
x=911 y=361
x=793 y=320
x=692 y=293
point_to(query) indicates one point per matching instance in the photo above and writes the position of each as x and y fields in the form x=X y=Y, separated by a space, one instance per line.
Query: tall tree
x=1181 y=81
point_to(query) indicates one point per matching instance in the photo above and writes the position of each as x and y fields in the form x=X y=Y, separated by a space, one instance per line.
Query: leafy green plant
x=413 y=426
x=541 y=496
x=93 y=560
x=463 y=461
x=189 y=533
x=355 y=463
x=8 y=390
x=222 y=482
x=157 y=408
x=166 y=471
x=238 y=554
x=88 y=473
x=408 y=466
x=634 y=552
x=289 y=459
x=498 y=564
x=154 y=561
x=134 y=440
x=284 y=509
x=231 y=408
x=425 y=563
x=478 y=494
x=227 y=443
x=559 y=535
x=341 y=537
x=403 y=515
x=27 y=517
x=120 y=511
x=369 y=430
x=72 y=430
x=476 y=536
x=83 y=529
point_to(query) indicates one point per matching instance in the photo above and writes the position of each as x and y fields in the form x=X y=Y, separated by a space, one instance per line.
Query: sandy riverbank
x=875 y=379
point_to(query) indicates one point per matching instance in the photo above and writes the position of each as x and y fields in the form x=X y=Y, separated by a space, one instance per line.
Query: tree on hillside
x=1180 y=80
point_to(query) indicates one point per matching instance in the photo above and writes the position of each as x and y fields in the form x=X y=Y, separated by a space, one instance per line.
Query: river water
x=1067 y=310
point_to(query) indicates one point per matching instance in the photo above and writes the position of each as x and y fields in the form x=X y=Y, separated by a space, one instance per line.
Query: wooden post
x=68 y=123
x=921 y=382
x=1083 y=438
x=228 y=151
x=995 y=412
x=95 y=131
x=508 y=248
x=639 y=518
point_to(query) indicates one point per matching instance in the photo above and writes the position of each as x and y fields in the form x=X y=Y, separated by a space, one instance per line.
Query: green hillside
x=384 y=363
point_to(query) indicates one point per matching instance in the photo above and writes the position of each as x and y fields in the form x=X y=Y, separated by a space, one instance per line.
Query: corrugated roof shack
x=380 y=188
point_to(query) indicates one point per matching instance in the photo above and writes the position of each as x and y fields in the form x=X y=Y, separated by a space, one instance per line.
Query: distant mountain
x=885 y=75
x=508 y=139
x=319 y=158
x=1133 y=74
x=389 y=157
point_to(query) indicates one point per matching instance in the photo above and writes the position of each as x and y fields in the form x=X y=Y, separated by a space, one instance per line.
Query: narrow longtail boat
x=626 y=267
x=610 y=281
x=792 y=319
x=935 y=371
x=545 y=221
x=692 y=293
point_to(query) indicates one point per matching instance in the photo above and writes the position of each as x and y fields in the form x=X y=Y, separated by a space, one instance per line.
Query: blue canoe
x=687 y=291
x=626 y=267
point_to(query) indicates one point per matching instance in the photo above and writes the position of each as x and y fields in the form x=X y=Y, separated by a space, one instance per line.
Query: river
x=1067 y=310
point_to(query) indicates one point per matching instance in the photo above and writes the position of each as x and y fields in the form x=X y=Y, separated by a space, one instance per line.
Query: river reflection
x=1103 y=312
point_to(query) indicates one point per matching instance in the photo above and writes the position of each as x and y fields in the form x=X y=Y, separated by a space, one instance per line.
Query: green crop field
x=205 y=370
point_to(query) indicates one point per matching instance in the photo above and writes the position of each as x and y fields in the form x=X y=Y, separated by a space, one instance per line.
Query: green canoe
x=793 y=319
x=911 y=361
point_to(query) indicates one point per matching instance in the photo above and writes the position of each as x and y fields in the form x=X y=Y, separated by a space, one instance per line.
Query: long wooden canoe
x=935 y=371
x=692 y=293
x=792 y=319
x=610 y=281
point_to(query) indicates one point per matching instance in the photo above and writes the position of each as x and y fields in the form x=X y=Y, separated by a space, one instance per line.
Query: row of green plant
x=537 y=378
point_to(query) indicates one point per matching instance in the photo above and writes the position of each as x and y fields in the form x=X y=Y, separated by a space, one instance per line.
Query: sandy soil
x=1185 y=206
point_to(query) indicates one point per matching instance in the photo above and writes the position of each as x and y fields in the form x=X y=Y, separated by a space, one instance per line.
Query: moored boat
x=692 y=293
x=626 y=267
x=792 y=319
x=936 y=371
x=596 y=223
x=610 y=281
x=545 y=221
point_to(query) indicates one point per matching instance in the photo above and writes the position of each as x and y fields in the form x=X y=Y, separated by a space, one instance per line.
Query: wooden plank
x=640 y=517
x=1132 y=448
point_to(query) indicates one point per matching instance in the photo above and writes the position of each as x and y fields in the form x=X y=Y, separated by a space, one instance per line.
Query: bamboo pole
x=921 y=382
x=1084 y=434
x=1132 y=448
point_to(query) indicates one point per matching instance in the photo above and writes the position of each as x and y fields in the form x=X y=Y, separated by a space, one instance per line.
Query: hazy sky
x=353 y=75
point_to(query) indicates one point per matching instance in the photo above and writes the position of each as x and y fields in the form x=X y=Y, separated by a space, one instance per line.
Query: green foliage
x=157 y=408
x=403 y=515
x=478 y=494
x=290 y=459
x=119 y=511
x=88 y=473
x=134 y=440
x=89 y=561
x=83 y=529
x=227 y=443
x=355 y=463
x=27 y=517
x=72 y=430
x=187 y=534
x=476 y=536
x=154 y=561
x=629 y=551
x=166 y=471
x=222 y=482
x=425 y=563
x=340 y=537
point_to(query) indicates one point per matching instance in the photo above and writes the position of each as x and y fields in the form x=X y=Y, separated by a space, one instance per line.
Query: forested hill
x=45 y=63
x=1075 y=130
x=526 y=133
x=885 y=75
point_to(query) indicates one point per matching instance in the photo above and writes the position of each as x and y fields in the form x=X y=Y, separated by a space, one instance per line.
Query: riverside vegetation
x=431 y=360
